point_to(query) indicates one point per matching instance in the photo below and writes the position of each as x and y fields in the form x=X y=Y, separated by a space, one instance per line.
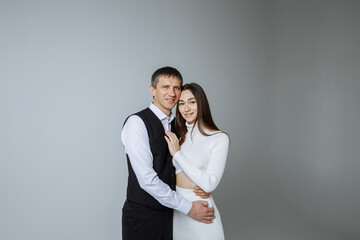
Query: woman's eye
x=180 y=104
x=192 y=102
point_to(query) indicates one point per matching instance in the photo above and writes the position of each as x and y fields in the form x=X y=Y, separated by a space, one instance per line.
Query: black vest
x=162 y=161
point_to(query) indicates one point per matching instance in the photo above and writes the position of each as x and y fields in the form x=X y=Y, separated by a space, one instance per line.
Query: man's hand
x=201 y=193
x=201 y=212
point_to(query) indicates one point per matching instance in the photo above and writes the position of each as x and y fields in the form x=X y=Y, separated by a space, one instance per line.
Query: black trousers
x=145 y=223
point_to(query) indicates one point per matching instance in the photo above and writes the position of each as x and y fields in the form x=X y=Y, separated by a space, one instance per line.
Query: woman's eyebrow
x=180 y=100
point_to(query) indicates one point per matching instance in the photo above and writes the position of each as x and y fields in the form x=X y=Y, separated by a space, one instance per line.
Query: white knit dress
x=202 y=158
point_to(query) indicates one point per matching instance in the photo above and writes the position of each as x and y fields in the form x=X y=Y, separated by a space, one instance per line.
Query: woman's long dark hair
x=204 y=118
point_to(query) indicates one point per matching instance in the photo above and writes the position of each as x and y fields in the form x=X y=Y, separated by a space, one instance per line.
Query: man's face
x=166 y=94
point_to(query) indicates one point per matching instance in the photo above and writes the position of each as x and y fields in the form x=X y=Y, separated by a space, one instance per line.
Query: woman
x=200 y=161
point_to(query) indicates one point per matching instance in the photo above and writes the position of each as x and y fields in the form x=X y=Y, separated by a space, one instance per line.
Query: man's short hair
x=166 y=72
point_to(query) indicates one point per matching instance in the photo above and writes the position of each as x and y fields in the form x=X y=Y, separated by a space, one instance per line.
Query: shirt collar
x=160 y=114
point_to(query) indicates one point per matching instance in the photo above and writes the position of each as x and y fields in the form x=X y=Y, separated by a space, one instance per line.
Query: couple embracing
x=174 y=164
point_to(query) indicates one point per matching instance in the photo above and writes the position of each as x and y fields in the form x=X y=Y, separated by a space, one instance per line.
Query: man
x=147 y=212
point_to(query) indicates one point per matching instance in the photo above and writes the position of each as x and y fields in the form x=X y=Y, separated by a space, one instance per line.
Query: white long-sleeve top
x=136 y=141
x=202 y=158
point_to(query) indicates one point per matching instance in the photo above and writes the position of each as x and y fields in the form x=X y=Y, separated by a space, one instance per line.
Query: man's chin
x=171 y=106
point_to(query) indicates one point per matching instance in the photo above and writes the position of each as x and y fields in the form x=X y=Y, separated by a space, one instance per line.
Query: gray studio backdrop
x=282 y=78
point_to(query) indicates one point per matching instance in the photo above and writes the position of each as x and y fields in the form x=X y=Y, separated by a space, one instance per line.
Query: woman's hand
x=201 y=193
x=173 y=142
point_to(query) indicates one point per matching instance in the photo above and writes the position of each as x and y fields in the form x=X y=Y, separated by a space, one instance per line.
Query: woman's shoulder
x=218 y=136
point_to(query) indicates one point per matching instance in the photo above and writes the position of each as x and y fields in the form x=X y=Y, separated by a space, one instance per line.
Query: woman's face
x=188 y=106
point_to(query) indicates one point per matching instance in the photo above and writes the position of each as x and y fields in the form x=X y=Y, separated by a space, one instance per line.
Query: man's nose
x=172 y=92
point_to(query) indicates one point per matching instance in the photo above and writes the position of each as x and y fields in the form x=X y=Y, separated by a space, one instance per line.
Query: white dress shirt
x=136 y=141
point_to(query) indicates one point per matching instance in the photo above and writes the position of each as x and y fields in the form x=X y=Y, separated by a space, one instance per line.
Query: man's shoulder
x=133 y=123
x=147 y=115
x=142 y=112
x=136 y=116
x=133 y=127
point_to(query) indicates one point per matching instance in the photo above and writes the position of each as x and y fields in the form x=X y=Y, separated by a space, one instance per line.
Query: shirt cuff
x=185 y=206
